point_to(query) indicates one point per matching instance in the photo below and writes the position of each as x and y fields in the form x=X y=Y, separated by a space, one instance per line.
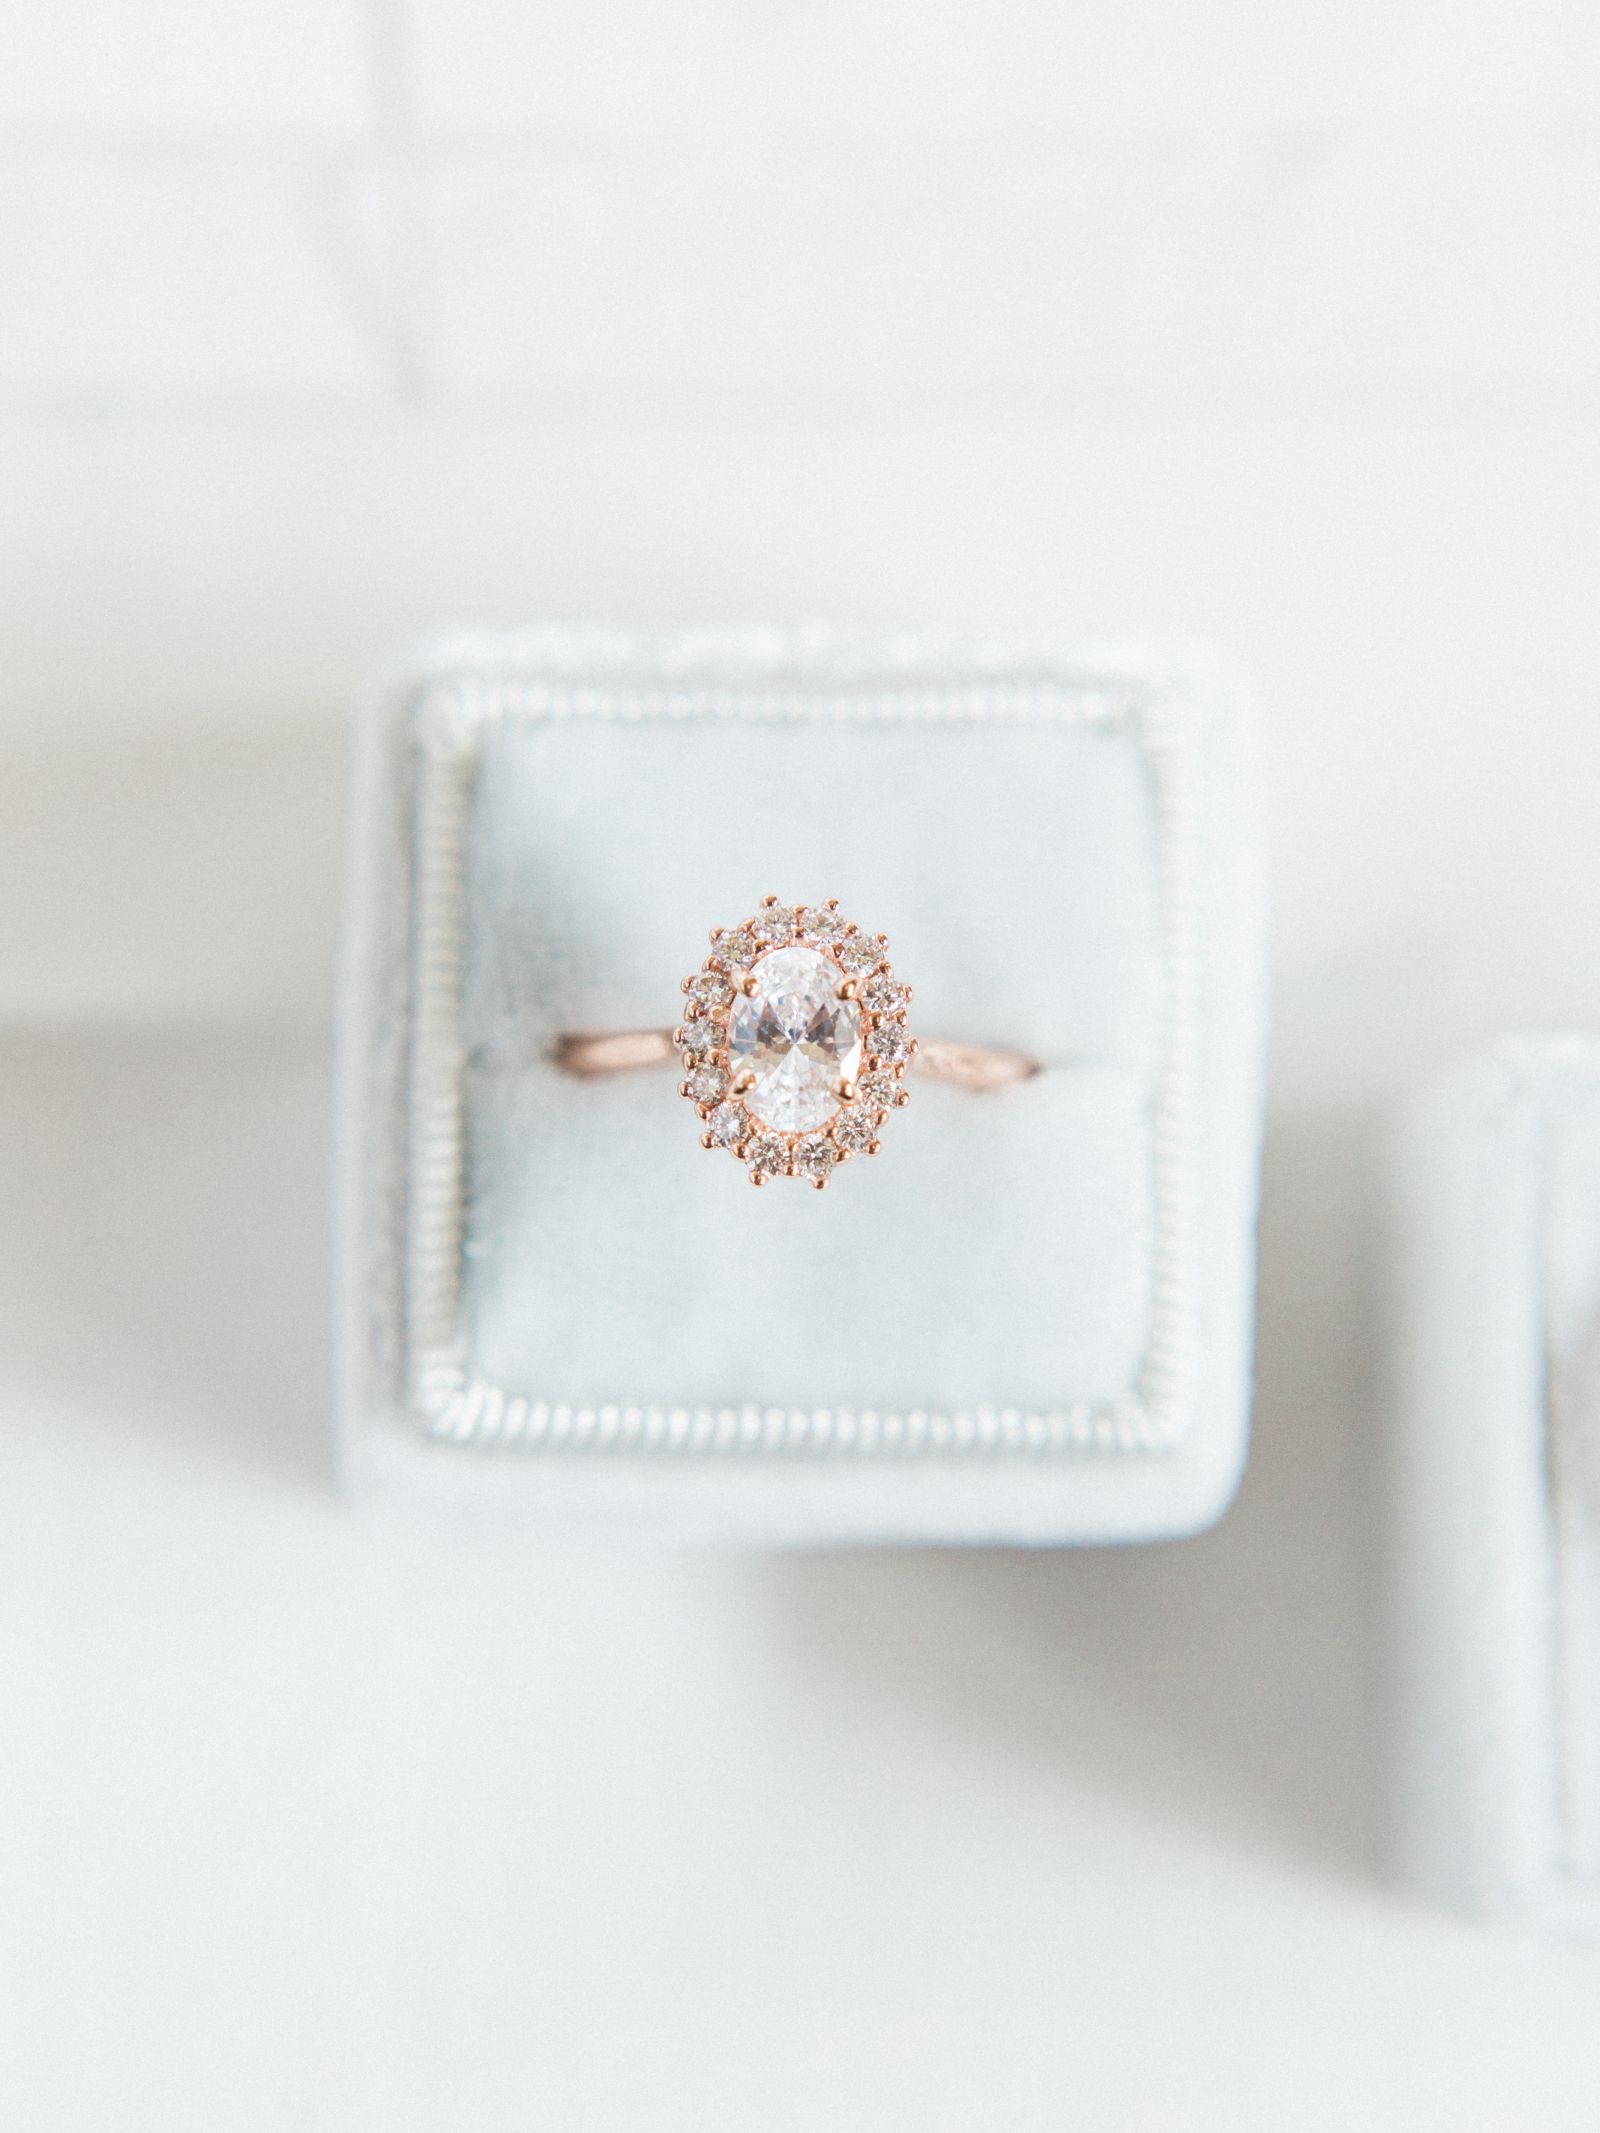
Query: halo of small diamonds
x=794 y=1041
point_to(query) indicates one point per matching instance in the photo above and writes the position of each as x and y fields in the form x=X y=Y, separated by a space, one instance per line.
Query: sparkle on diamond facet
x=879 y=1090
x=796 y=1038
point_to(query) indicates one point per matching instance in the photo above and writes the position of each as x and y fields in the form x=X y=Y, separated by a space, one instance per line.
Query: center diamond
x=797 y=1037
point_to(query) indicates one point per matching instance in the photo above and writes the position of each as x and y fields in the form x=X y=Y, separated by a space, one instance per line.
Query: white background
x=1273 y=326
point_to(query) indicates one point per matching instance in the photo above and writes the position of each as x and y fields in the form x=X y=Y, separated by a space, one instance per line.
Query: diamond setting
x=773 y=925
x=855 y=1130
x=821 y=923
x=863 y=951
x=767 y=1156
x=734 y=947
x=728 y=1126
x=699 y=1038
x=883 y=995
x=785 y=1082
x=815 y=1158
x=710 y=988
x=881 y=1089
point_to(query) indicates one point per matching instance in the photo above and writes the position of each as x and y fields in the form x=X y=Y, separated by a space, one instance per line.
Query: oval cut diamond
x=797 y=1037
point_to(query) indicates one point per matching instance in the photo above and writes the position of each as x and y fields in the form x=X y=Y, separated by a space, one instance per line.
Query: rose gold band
x=970 y=1066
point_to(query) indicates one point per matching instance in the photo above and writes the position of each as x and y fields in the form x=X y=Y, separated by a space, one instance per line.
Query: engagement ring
x=795 y=1044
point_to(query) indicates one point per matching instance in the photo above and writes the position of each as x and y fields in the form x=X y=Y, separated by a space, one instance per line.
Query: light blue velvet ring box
x=1493 y=1488
x=1029 y=1318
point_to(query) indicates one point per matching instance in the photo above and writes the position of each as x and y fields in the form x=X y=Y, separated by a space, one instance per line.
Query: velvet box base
x=1029 y=1318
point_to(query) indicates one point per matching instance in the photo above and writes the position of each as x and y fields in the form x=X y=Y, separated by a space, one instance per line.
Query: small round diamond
x=891 y=1043
x=814 y=1158
x=773 y=924
x=882 y=995
x=702 y=1036
x=736 y=948
x=881 y=1091
x=707 y=1083
x=861 y=952
x=711 y=989
x=855 y=1129
x=820 y=924
x=767 y=1154
x=728 y=1125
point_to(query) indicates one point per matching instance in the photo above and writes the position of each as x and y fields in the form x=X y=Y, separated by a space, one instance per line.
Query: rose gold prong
x=704 y=1110
x=743 y=1080
x=706 y=1141
x=851 y=930
x=820 y=1184
x=874 y=1147
x=712 y=936
x=846 y=1091
x=902 y=1098
x=767 y=902
x=681 y=1034
x=683 y=1088
x=849 y=990
x=905 y=994
x=684 y=987
x=882 y=940
x=748 y=983
x=758 y=1177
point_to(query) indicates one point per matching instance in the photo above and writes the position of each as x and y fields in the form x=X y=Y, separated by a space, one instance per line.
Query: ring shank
x=968 y=1066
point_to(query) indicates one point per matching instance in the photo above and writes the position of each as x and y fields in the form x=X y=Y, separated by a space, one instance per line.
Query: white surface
x=495 y=201
x=355 y=1826
x=185 y=70
x=343 y=1827
x=1243 y=264
x=119 y=276
x=881 y=69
